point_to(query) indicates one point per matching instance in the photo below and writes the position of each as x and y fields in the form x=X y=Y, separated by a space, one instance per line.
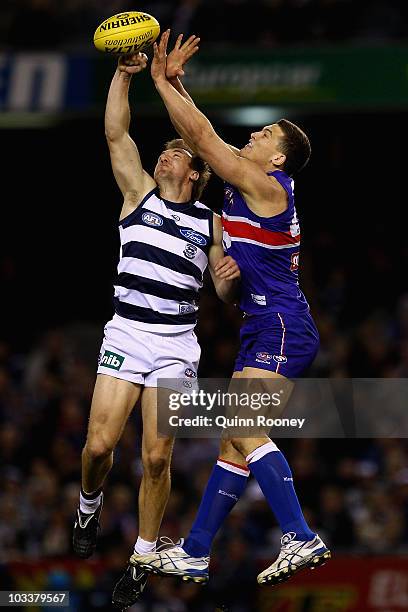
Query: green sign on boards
x=53 y=84
x=323 y=77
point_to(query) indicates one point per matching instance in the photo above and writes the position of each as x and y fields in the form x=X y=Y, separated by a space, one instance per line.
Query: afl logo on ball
x=190 y=251
x=280 y=358
x=193 y=236
x=152 y=219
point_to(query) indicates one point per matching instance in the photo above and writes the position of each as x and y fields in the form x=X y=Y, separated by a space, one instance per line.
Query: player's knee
x=98 y=448
x=156 y=464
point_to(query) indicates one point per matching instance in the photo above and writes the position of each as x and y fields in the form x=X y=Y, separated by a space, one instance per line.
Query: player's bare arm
x=133 y=181
x=175 y=62
x=224 y=270
x=262 y=192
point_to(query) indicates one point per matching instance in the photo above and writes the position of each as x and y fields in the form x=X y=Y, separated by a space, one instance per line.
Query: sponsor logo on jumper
x=294 y=226
x=287 y=479
x=259 y=299
x=186 y=308
x=176 y=217
x=221 y=492
x=190 y=251
x=280 y=358
x=111 y=360
x=229 y=195
x=190 y=373
x=193 y=236
x=152 y=219
x=294 y=262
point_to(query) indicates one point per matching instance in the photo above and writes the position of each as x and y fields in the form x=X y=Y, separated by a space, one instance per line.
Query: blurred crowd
x=68 y=24
x=354 y=492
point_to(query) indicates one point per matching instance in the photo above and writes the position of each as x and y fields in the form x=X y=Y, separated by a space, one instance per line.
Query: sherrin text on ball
x=126 y=33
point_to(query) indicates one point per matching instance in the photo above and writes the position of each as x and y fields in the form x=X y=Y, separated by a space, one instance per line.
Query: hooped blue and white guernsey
x=267 y=252
x=163 y=256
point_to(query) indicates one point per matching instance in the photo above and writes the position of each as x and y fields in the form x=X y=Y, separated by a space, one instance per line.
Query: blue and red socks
x=274 y=476
x=225 y=486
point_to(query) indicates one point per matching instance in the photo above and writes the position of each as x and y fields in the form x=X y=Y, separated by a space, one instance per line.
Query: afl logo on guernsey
x=193 y=236
x=266 y=357
x=152 y=219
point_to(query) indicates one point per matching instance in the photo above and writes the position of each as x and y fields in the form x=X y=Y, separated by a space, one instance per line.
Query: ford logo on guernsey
x=280 y=358
x=193 y=236
x=152 y=219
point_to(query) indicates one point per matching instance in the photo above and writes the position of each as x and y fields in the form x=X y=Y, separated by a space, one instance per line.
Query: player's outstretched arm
x=175 y=62
x=177 y=59
x=133 y=181
x=195 y=128
x=224 y=269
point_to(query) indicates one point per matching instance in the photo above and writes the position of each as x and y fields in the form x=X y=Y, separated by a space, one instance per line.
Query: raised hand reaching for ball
x=132 y=64
x=180 y=55
x=171 y=66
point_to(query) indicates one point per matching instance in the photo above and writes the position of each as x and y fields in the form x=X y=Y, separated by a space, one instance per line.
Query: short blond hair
x=196 y=163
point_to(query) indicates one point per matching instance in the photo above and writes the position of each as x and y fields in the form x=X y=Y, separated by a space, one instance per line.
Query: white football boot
x=173 y=561
x=294 y=556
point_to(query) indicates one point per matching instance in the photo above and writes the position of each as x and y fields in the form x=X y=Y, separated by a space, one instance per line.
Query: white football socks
x=88 y=506
x=143 y=546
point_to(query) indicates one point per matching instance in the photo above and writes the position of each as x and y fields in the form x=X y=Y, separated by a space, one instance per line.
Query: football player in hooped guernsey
x=279 y=339
x=168 y=237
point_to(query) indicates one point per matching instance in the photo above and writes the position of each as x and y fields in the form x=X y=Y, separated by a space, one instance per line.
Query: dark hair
x=196 y=163
x=295 y=145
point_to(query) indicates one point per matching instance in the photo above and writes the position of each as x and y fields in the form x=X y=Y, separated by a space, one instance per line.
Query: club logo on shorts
x=190 y=373
x=152 y=219
x=193 y=236
x=280 y=358
x=263 y=357
x=111 y=360
x=190 y=251
x=176 y=217
x=187 y=384
x=186 y=308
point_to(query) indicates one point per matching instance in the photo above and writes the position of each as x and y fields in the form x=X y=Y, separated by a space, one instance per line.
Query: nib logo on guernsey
x=111 y=360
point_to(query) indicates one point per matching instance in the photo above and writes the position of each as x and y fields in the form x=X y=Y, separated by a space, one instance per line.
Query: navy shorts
x=278 y=342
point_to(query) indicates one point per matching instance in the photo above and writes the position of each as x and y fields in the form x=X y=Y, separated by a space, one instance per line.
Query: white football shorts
x=143 y=357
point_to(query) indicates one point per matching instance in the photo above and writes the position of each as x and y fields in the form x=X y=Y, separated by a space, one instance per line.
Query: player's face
x=264 y=144
x=173 y=164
